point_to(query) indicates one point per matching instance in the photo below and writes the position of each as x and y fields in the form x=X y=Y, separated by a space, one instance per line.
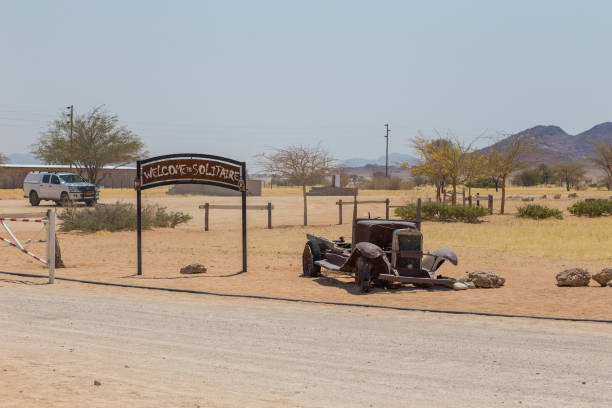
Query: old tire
x=90 y=203
x=311 y=253
x=64 y=199
x=363 y=275
x=34 y=199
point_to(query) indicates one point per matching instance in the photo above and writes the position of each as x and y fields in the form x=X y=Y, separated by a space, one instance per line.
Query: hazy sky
x=236 y=78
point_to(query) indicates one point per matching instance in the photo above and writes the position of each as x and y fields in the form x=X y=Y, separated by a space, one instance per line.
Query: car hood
x=79 y=184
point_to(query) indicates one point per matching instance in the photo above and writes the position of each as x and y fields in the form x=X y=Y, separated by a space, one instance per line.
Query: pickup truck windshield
x=71 y=178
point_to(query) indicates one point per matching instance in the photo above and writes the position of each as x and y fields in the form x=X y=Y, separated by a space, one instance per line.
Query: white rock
x=460 y=286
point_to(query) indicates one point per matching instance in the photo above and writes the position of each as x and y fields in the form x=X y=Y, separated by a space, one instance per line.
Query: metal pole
x=339 y=212
x=387 y=151
x=387 y=208
x=244 y=219
x=490 y=204
x=206 y=207
x=138 y=219
x=269 y=215
x=71 y=107
x=355 y=208
x=51 y=245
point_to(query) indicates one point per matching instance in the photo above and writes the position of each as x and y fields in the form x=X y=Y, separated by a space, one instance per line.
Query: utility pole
x=387 y=152
x=71 y=107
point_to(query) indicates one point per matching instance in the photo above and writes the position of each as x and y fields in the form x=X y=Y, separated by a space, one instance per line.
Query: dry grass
x=528 y=252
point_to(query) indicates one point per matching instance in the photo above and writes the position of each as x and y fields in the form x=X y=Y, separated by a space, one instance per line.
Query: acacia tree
x=304 y=165
x=601 y=156
x=448 y=160
x=570 y=173
x=97 y=141
x=507 y=159
x=429 y=162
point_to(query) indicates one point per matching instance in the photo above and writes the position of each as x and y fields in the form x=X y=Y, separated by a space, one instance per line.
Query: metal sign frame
x=139 y=186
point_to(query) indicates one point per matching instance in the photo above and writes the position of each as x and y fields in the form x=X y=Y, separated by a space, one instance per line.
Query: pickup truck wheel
x=90 y=203
x=64 y=199
x=362 y=275
x=311 y=253
x=34 y=199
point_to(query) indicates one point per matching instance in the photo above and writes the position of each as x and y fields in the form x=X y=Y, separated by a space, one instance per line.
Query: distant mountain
x=22 y=158
x=552 y=145
x=394 y=158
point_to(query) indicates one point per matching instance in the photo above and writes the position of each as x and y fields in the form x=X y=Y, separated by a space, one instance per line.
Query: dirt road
x=152 y=349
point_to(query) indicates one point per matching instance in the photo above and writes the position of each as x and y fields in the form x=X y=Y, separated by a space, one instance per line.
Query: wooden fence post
x=206 y=207
x=387 y=208
x=418 y=214
x=339 y=211
x=490 y=204
x=463 y=194
x=470 y=200
x=269 y=215
x=355 y=208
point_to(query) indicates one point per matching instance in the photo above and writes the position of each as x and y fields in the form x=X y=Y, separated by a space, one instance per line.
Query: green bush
x=593 y=208
x=538 y=212
x=118 y=217
x=442 y=212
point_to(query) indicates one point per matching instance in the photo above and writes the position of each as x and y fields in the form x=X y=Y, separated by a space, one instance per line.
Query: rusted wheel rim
x=307 y=262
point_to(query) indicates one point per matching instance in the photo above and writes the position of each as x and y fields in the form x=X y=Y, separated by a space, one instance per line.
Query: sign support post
x=244 y=215
x=137 y=186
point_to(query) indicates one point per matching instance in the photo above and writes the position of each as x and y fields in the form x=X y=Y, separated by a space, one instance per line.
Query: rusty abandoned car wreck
x=381 y=252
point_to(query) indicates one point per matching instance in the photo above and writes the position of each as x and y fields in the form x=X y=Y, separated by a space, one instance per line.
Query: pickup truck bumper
x=86 y=196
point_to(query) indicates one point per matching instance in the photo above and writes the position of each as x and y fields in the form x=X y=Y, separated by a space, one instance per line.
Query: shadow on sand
x=144 y=277
x=347 y=284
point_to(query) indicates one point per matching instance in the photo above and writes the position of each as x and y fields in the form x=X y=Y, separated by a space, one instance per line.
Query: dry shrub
x=538 y=212
x=442 y=212
x=119 y=217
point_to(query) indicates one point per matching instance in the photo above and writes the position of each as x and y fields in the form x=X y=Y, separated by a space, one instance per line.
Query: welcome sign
x=191 y=169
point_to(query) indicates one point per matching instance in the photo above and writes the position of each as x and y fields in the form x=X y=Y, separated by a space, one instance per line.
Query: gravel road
x=152 y=349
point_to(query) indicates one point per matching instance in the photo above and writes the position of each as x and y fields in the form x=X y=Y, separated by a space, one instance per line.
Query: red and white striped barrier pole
x=25 y=251
x=25 y=219
x=50 y=220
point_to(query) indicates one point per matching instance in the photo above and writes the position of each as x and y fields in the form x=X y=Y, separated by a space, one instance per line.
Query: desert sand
x=528 y=253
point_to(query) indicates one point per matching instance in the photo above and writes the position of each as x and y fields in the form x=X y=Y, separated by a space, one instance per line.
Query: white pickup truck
x=63 y=188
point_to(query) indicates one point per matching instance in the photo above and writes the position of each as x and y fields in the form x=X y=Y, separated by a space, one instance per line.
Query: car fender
x=431 y=262
x=369 y=251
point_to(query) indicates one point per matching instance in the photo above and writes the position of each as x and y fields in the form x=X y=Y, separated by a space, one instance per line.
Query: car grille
x=87 y=188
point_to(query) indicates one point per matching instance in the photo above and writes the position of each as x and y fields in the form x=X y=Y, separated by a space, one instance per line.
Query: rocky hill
x=552 y=145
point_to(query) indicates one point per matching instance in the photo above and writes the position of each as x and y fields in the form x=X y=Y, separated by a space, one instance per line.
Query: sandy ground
x=527 y=253
x=155 y=349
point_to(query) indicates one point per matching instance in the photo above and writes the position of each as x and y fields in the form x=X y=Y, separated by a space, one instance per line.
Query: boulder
x=193 y=268
x=572 y=195
x=573 y=277
x=603 y=277
x=528 y=198
x=470 y=285
x=459 y=286
x=543 y=196
x=557 y=196
x=483 y=279
x=609 y=284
